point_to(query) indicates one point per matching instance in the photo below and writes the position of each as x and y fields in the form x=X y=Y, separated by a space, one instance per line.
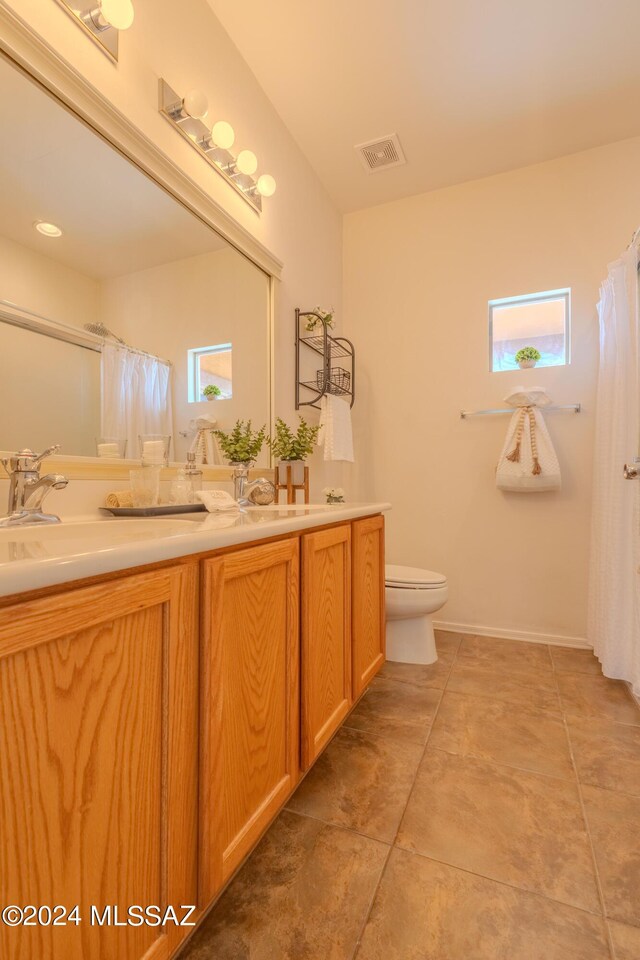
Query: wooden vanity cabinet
x=367 y=599
x=250 y=696
x=153 y=725
x=326 y=637
x=98 y=753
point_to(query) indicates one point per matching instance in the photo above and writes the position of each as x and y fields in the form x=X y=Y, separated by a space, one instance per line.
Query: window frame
x=194 y=393
x=564 y=293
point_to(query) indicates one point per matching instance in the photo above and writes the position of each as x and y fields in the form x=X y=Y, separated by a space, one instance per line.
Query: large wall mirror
x=123 y=325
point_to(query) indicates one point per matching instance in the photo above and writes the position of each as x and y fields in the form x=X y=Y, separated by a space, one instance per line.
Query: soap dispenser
x=193 y=476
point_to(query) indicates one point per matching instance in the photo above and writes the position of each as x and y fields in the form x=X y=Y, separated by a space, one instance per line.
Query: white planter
x=297 y=471
x=526 y=364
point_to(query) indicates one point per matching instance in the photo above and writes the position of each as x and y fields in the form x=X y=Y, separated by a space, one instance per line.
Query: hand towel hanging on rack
x=335 y=428
x=528 y=462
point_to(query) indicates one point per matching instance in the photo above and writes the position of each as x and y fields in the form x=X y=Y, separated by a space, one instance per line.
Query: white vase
x=297 y=471
x=526 y=364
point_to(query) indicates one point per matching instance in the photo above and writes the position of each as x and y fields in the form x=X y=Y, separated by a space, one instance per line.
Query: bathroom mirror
x=118 y=306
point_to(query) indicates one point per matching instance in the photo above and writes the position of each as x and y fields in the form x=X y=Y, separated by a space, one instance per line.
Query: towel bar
x=576 y=407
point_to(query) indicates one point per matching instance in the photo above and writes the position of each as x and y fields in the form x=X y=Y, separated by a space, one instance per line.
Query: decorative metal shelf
x=334 y=388
x=330 y=379
x=317 y=344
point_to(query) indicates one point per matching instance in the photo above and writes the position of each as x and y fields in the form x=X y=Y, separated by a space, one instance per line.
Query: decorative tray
x=162 y=510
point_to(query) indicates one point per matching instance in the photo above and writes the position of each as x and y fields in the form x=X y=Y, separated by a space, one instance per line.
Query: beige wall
x=418 y=274
x=186 y=44
x=33 y=282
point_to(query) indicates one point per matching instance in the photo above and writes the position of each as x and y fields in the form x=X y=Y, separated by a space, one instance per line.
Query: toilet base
x=411 y=640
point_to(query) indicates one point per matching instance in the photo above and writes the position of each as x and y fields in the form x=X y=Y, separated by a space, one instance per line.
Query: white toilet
x=412 y=597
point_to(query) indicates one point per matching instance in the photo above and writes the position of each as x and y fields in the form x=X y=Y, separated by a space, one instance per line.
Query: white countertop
x=35 y=557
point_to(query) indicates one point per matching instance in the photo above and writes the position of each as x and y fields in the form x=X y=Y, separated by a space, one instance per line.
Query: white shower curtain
x=614 y=601
x=136 y=396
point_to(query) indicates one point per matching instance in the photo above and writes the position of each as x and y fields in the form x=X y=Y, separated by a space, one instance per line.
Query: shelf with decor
x=312 y=334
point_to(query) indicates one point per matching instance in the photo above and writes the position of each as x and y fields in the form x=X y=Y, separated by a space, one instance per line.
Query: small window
x=539 y=320
x=210 y=367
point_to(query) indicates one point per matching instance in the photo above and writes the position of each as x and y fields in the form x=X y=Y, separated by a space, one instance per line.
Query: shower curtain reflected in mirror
x=136 y=396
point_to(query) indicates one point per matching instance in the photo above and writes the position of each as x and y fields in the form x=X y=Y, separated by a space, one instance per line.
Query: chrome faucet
x=28 y=489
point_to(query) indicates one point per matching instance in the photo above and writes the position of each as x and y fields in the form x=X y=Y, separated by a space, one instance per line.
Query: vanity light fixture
x=196 y=105
x=47 y=229
x=187 y=114
x=247 y=162
x=102 y=21
x=222 y=135
x=266 y=185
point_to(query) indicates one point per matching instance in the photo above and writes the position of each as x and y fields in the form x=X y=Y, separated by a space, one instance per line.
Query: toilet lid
x=414 y=577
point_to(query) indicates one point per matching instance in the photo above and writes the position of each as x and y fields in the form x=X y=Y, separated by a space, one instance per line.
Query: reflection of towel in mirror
x=204 y=443
x=528 y=462
x=335 y=428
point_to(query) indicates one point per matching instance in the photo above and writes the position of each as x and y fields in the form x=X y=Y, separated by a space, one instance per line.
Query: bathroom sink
x=104 y=531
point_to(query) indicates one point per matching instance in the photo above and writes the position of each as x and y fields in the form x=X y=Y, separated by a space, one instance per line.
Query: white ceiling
x=114 y=219
x=471 y=88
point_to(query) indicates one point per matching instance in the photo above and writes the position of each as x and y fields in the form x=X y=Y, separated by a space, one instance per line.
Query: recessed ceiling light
x=47 y=229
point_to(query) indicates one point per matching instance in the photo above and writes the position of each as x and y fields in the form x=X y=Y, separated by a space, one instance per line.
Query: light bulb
x=247 y=162
x=47 y=229
x=196 y=104
x=117 y=13
x=223 y=135
x=266 y=185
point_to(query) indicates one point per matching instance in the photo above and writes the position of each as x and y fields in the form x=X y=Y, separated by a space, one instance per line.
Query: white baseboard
x=480 y=631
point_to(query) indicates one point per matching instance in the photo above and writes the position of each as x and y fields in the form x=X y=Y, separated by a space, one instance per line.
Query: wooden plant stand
x=291 y=487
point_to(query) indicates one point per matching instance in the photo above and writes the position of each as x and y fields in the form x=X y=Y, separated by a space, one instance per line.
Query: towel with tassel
x=204 y=444
x=528 y=462
x=335 y=428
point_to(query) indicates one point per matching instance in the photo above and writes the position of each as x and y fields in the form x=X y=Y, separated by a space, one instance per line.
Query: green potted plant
x=241 y=446
x=527 y=357
x=292 y=449
x=212 y=392
x=327 y=316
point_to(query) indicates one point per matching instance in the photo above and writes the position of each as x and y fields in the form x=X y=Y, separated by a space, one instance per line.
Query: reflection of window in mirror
x=539 y=320
x=210 y=367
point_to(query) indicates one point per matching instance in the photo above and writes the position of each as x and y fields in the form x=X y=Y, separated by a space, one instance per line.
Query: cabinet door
x=368 y=620
x=98 y=779
x=250 y=701
x=326 y=637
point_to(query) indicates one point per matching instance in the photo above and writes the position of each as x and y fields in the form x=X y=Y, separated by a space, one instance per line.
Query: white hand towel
x=335 y=428
x=218 y=501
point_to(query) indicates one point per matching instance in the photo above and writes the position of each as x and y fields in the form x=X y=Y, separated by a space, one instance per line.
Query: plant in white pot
x=212 y=392
x=527 y=357
x=292 y=449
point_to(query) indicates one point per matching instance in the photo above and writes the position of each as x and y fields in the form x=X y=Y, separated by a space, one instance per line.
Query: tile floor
x=484 y=808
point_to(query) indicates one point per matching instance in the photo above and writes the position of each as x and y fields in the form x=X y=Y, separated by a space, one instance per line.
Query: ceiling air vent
x=381 y=154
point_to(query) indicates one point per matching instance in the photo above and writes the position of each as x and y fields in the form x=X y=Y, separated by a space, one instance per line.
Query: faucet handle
x=26 y=460
x=46 y=453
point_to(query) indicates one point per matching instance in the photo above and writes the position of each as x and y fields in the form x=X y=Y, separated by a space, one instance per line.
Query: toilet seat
x=412 y=578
